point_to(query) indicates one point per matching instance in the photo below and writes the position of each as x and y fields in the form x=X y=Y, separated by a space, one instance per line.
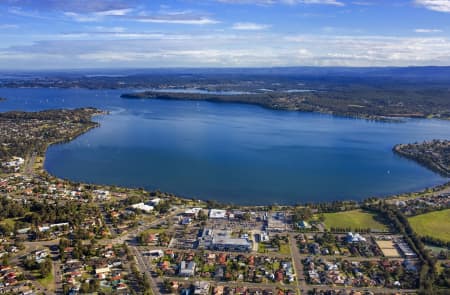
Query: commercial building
x=143 y=207
x=223 y=241
x=217 y=213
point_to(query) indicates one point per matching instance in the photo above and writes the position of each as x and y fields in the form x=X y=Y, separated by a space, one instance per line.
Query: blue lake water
x=236 y=153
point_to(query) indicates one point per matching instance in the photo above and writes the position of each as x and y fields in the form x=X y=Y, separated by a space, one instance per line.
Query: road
x=57 y=275
x=297 y=263
x=29 y=164
x=144 y=268
x=272 y=286
x=133 y=233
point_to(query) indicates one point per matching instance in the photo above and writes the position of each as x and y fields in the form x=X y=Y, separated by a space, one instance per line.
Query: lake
x=235 y=153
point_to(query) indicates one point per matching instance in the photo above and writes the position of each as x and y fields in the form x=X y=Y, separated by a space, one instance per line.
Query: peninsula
x=371 y=93
x=433 y=154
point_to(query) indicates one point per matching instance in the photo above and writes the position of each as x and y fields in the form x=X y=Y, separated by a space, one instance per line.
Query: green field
x=434 y=224
x=48 y=281
x=354 y=219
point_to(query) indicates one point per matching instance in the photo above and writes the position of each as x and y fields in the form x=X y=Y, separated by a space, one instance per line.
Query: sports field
x=434 y=224
x=353 y=219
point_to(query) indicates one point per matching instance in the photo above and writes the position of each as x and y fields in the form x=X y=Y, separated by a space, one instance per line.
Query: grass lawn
x=9 y=221
x=434 y=224
x=284 y=249
x=261 y=248
x=155 y=230
x=353 y=219
x=48 y=281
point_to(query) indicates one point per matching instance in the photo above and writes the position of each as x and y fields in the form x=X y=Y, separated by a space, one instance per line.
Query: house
x=201 y=288
x=24 y=230
x=102 y=195
x=219 y=273
x=314 y=248
x=156 y=253
x=164 y=265
x=40 y=256
x=192 y=212
x=211 y=258
x=102 y=270
x=187 y=269
x=279 y=276
x=218 y=290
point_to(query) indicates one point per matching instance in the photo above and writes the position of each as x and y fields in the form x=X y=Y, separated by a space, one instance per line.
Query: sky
x=63 y=34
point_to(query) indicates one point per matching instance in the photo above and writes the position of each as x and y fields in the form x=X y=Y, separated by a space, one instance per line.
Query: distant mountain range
x=427 y=73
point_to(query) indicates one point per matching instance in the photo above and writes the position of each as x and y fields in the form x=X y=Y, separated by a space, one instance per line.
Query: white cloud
x=77 y=6
x=249 y=26
x=324 y=2
x=140 y=49
x=82 y=17
x=428 y=31
x=97 y=16
x=363 y=3
x=114 y=12
x=8 y=26
x=26 y=13
x=109 y=29
x=183 y=21
x=289 y=2
x=436 y=5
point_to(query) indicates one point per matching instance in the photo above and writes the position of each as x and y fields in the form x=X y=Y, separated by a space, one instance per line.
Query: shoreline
x=275 y=101
x=388 y=196
x=92 y=124
x=388 y=118
x=431 y=165
x=375 y=118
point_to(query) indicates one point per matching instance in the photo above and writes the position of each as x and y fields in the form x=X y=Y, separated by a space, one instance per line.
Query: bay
x=234 y=153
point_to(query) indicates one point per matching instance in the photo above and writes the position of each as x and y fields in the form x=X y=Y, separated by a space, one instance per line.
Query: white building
x=15 y=163
x=355 y=238
x=217 y=213
x=143 y=207
x=187 y=269
x=155 y=201
x=192 y=212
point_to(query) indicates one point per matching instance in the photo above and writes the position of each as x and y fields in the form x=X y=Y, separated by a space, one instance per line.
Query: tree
x=6 y=228
x=94 y=285
x=84 y=288
x=45 y=267
x=168 y=285
x=247 y=216
x=5 y=261
x=301 y=213
x=202 y=215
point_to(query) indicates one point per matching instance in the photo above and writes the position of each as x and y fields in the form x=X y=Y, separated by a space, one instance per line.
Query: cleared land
x=355 y=219
x=434 y=224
